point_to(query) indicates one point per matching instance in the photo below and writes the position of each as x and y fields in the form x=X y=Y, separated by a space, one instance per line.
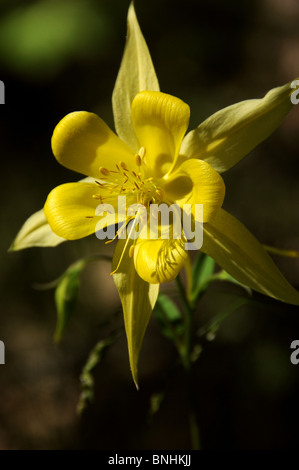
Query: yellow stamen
x=126 y=245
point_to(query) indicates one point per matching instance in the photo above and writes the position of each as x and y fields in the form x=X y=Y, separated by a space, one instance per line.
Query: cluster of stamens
x=122 y=180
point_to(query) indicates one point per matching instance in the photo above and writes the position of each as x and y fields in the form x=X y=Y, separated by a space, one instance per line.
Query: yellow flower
x=151 y=160
x=153 y=175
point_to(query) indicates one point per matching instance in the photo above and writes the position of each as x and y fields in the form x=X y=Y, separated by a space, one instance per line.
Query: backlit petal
x=136 y=73
x=160 y=122
x=237 y=251
x=196 y=182
x=70 y=210
x=35 y=232
x=230 y=134
x=83 y=142
x=138 y=299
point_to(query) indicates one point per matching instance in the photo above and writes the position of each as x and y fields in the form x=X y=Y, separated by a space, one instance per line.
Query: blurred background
x=57 y=57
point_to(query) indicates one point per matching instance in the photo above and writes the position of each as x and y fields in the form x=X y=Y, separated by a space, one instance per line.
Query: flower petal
x=196 y=182
x=160 y=122
x=84 y=143
x=138 y=299
x=158 y=261
x=70 y=210
x=230 y=134
x=237 y=251
x=136 y=73
x=35 y=232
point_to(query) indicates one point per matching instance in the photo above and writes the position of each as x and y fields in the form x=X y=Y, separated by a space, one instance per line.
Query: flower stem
x=187 y=364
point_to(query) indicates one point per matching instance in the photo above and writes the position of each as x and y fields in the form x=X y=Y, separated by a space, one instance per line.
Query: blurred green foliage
x=39 y=39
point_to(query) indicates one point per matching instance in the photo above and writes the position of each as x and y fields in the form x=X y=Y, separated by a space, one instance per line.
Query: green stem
x=176 y=338
x=187 y=363
x=183 y=295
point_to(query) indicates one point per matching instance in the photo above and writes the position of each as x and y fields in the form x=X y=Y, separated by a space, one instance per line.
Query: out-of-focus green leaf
x=196 y=352
x=202 y=272
x=41 y=37
x=224 y=276
x=203 y=269
x=155 y=402
x=66 y=296
x=67 y=291
x=86 y=378
x=169 y=317
x=210 y=329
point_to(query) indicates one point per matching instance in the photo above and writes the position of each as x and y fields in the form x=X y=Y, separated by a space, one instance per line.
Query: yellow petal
x=196 y=182
x=136 y=73
x=70 y=210
x=35 y=232
x=230 y=134
x=160 y=122
x=158 y=261
x=84 y=143
x=237 y=251
x=138 y=299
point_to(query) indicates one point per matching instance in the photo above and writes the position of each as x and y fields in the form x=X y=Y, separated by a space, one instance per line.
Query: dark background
x=57 y=57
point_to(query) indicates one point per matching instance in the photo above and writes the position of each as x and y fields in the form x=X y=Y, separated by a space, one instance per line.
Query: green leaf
x=210 y=329
x=224 y=276
x=86 y=378
x=155 y=402
x=67 y=292
x=169 y=317
x=202 y=273
x=66 y=296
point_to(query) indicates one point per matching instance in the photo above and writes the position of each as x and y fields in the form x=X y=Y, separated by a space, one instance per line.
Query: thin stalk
x=187 y=364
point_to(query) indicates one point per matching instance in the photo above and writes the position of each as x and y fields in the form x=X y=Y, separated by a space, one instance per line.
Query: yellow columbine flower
x=150 y=160
x=154 y=175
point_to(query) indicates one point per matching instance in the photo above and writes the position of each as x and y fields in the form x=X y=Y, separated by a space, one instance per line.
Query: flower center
x=125 y=181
